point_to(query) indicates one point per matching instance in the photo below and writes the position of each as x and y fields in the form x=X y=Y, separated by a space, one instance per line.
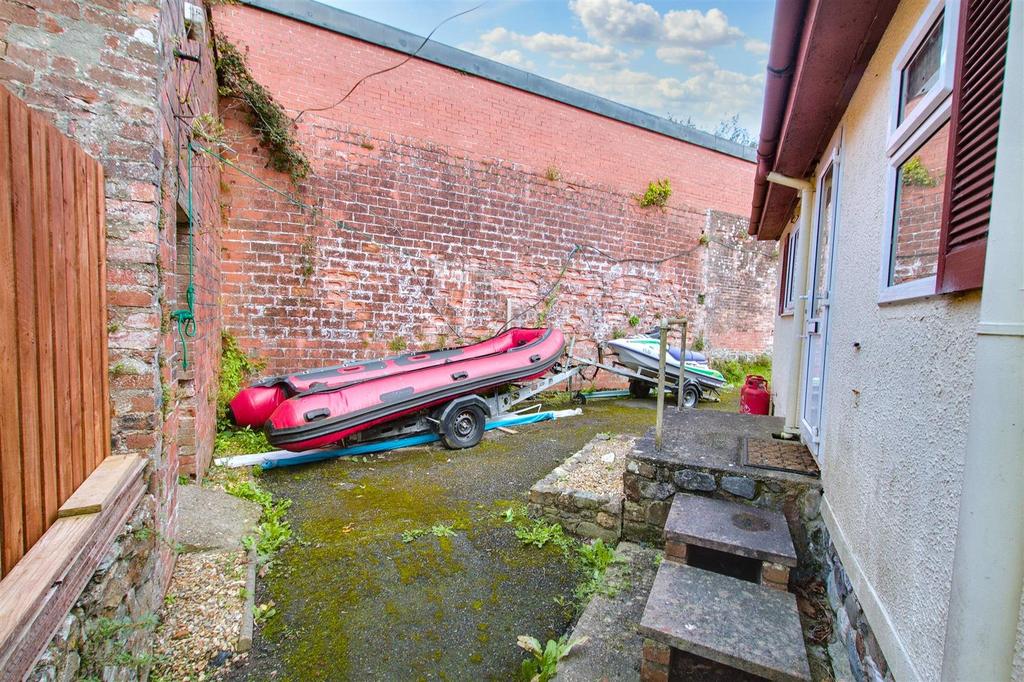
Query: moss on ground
x=356 y=600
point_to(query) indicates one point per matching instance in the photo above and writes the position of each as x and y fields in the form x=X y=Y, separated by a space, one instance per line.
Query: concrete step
x=713 y=617
x=739 y=540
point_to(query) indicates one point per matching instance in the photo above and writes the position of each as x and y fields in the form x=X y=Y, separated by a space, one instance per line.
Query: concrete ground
x=211 y=519
x=613 y=650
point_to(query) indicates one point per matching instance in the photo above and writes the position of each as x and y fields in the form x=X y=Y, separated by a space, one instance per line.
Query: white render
x=896 y=410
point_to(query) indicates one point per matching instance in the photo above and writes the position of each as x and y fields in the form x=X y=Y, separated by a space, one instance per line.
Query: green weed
x=543 y=665
x=657 y=193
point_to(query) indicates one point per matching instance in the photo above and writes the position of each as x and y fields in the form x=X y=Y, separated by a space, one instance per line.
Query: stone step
x=758 y=536
x=744 y=626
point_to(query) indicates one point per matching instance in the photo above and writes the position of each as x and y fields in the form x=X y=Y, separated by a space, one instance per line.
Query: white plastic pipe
x=796 y=364
x=988 y=564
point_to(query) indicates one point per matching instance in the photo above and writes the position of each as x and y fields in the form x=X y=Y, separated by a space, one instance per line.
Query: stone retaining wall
x=649 y=487
x=580 y=512
x=108 y=634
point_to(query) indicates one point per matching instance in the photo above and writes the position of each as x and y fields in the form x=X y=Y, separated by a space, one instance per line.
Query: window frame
x=788 y=284
x=901 y=131
x=925 y=286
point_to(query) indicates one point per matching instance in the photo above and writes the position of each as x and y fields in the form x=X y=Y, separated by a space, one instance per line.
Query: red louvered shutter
x=977 y=101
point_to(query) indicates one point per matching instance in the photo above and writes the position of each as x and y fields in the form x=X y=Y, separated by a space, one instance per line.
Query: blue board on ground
x=275 y=460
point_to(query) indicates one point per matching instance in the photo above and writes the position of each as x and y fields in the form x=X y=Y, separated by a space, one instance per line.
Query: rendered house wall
x=895 y=411
x=442 y=198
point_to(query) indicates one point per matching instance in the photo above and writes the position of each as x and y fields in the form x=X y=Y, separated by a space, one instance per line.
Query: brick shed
x=454 y=190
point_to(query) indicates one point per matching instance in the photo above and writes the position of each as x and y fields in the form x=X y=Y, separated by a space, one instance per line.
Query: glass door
x=817 y=302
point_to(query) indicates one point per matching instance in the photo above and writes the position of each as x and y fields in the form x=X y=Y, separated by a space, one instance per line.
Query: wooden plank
x=24 y=287
x=98 y=316
x=37 y=594
x=42 y=247
x=11 y=523
x=85 y=324
x=101 y=211
x=58 y=285
x=103 y=485
x=76 y=407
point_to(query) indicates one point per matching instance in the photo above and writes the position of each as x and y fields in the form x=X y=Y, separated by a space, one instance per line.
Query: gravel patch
x=599 y=466
x=202 y=616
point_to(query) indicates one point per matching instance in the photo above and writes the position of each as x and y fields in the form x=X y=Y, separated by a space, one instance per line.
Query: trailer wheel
x=691 y=395
x=463 y=427
x=639 y=389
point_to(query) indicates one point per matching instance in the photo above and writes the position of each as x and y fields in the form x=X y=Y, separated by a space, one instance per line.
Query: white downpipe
x=988 y=564
x=796 y=364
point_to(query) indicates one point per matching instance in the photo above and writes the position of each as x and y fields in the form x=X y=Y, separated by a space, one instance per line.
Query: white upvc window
x=789 y=268
x=917 y=154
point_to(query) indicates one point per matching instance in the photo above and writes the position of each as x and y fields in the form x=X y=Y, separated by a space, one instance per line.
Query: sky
x=702 y=61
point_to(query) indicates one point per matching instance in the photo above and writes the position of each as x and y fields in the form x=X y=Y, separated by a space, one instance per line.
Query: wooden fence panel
x=55 y=416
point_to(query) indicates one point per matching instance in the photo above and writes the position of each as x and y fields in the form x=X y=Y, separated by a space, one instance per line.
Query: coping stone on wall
x=376 y=33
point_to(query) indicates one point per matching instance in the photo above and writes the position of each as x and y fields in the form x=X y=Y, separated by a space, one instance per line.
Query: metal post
x=682 y=368
x=660 y=415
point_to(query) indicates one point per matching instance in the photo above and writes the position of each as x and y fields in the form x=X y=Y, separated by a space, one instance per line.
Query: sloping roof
x=819 y=52
x=376 y=33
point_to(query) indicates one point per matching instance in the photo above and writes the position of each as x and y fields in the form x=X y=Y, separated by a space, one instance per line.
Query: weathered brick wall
x=105 y=73
x=442 y=200
x=919 y=214
x=738 y=272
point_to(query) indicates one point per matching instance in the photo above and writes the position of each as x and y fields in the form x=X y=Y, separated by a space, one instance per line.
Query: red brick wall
x=435 y=210
x=919 y=215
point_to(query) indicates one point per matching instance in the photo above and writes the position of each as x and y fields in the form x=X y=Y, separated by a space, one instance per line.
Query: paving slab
x=731 y=527
x=736 y=623
x=209 y=518
x=613 y=650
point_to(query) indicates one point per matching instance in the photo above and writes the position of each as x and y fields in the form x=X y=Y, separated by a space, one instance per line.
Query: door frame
x=811 y=435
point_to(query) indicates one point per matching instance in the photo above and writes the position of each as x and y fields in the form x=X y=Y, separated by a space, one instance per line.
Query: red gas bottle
x=755 y=396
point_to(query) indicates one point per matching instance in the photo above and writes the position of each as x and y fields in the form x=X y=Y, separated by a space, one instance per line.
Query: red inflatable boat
x=254 y=405
x=324 y=415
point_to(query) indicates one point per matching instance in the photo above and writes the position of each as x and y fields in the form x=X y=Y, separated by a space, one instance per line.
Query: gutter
x=983 y=625
x=787 y=26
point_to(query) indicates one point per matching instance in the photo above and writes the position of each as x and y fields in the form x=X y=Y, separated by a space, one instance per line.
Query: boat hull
x=253 y=405
x=321 y=417
x=641 y=355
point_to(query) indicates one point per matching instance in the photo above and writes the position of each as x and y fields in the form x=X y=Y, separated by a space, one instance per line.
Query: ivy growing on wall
x=266 y=116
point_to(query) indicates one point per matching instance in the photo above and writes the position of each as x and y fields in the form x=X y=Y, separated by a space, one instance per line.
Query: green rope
x=186 y=317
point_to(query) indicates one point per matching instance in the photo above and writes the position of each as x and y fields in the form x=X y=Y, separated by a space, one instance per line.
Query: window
x=944 y=128
x=918 y=155
x=788 y=284
x=923 y=72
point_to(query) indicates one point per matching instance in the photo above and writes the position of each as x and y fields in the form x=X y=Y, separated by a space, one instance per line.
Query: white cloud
x=612 y=20
x=511 y=57
x=555 y=45
x=711 y=95
x=694 y=28
x=756 y=47
x=623 y=20
x=681 y=55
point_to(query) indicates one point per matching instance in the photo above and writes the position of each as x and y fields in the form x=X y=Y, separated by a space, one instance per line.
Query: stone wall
x=439 y=201
x=650 y=483
x=109 y=633
x=851 y=628
x=110 y=74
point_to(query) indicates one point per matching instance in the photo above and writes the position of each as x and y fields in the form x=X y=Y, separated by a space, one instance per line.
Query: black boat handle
x=458 y=376
x=534 y=358
x=313 y=415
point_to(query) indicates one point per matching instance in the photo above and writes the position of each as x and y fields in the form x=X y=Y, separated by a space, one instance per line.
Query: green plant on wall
x=657 y=193
x=235 y=368
x=914 y=174
x=267 y=118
